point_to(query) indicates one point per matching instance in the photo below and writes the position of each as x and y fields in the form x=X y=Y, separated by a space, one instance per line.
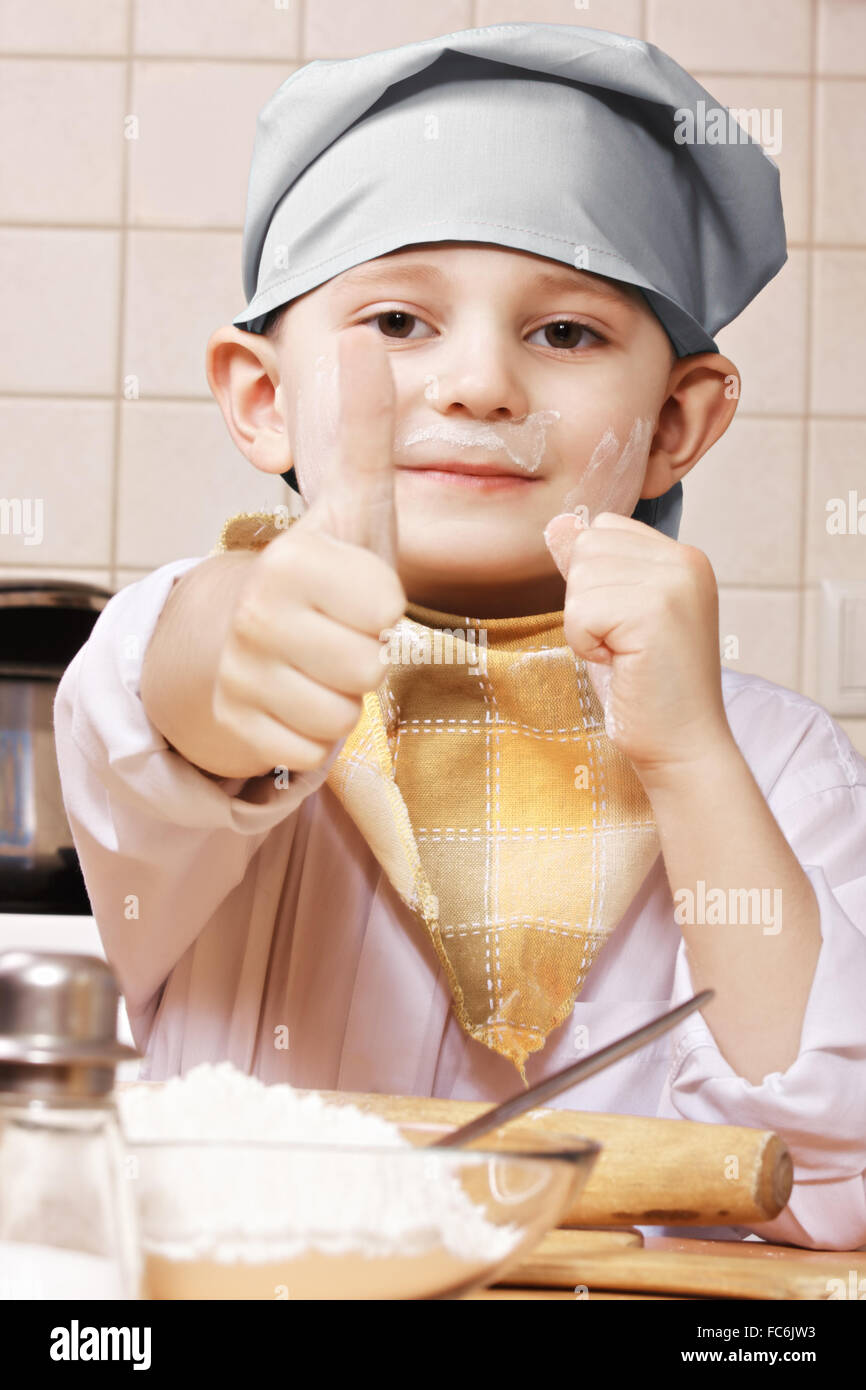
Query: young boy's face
x=569 y=370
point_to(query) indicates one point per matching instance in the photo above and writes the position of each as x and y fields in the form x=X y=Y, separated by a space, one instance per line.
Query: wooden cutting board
x=499 y=1293
x=594 y=1261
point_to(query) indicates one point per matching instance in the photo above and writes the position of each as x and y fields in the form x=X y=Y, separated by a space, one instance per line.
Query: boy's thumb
x=356 y=499
x=559 y=537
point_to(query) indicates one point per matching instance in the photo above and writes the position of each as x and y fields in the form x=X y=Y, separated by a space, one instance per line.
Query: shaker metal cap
x=59 y=1008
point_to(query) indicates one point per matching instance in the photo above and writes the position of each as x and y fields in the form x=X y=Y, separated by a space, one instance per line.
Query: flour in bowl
x=217 y=1202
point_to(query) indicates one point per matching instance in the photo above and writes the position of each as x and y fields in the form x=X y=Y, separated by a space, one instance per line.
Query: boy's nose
x=478 y=386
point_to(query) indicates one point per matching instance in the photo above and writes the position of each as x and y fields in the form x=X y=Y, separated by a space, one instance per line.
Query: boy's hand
x=642 y=611
x=303 y=643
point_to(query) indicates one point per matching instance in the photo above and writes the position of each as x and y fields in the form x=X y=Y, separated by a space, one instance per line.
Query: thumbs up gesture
x=356 y=503
x=303 y=644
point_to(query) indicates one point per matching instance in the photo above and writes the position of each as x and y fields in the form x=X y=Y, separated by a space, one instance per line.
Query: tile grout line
x=805 y=660
x=263 y=60
x=236 y=229
x=138 y=55
x=114 y=510
x=158 y=398
x=49 y=567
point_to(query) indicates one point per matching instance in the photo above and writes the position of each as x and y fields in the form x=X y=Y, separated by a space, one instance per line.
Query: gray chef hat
x=576 y=144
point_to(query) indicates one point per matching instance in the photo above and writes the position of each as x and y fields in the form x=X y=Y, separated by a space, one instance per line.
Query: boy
x=427 y=876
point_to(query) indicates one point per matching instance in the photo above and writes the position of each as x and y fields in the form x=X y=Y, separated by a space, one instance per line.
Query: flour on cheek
x=611 y=473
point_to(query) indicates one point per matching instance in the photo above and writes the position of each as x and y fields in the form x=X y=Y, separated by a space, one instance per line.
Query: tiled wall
x=121 y=255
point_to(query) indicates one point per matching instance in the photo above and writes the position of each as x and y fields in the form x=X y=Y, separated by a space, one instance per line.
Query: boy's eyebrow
x=552 y=281
x=562 y=282
x=375 y=275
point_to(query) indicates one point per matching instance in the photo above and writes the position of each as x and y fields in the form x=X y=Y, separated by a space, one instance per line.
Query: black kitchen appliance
x=43 y=623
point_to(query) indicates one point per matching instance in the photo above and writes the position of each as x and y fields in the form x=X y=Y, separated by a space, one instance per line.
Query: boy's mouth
x=460 y=473
x=523 y=441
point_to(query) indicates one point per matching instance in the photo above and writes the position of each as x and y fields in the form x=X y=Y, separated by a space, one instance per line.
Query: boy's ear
x=243 y=374
x=702 y=395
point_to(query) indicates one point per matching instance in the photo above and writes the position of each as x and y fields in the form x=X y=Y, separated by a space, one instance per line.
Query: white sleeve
x=818 y=1104
x=160 y=843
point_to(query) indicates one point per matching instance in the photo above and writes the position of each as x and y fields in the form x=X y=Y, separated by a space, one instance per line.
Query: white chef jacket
x=235 y=913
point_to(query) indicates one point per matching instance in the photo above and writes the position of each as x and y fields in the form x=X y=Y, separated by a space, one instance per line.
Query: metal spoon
x=569 y=1076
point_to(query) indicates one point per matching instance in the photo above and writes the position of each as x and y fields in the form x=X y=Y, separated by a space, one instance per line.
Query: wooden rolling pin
x=650 y=1172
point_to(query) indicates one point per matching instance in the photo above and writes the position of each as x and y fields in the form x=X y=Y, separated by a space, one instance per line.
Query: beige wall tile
x=837 y=467
x=55 y=26
x=811 y=642
x=618 y=16
x=58 y=454
x=767 y=343
x=181 y=286
x=60 y=305
x=66 y=160
x=738 y=36
x=742 y=503
x=840 y=169
x=54 y=573
x=838 y=342
x=188 y=178
x=856 y=731
x=811 y=656
x=841 y=36
x=190 y=165
x=125 y=577
x=788 y=133
x=181 y=477
x=230 y=29
x=333 y=29
x=765 y=626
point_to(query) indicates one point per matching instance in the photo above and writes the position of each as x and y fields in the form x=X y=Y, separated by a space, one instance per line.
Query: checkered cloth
x=482 y=778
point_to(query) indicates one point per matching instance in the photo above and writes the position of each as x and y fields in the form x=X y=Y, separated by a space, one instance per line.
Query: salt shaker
x=68 y=1219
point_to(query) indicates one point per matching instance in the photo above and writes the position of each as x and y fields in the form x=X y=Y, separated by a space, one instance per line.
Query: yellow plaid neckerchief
x=481 y=776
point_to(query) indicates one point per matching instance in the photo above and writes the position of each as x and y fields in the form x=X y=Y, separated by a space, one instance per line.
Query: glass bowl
x=262 y=1220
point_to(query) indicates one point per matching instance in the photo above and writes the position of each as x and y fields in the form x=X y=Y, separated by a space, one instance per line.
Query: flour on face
x=524 y=441
x=613 y=465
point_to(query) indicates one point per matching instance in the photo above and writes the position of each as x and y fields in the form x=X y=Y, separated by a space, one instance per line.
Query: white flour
x=523 y=440
x=48 y=1271
x=230 y=1205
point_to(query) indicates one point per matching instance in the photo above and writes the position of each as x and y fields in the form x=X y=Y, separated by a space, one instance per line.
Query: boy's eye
x=396 y=323
x=565 y=333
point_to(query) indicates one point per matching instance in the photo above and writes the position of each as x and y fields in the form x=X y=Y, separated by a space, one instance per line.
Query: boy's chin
x=482 y=564
x=469 y=542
